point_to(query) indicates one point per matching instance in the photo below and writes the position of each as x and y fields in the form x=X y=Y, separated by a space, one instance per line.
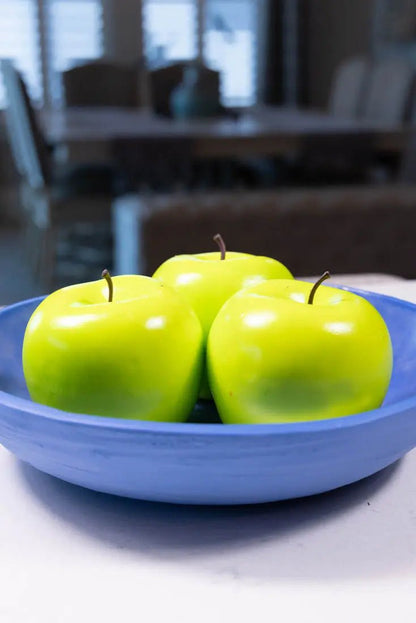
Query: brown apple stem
x=220 y=242
x=325 y=276
x=106 y=275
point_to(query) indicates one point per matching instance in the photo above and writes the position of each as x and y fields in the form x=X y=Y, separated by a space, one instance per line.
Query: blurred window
x=19 y=41
x=230 y=45
x=74 y=35
x=229 y=33
x=45 y=37
x=169 y=30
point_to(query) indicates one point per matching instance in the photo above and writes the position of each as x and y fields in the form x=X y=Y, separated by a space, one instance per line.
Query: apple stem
x=106 y=275
x=220 y=242
x=325 y=276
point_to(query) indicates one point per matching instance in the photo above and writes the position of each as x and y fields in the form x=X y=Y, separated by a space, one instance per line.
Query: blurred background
x=137 y=129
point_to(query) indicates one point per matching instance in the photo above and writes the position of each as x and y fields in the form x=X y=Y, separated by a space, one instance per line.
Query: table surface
x=71 y=555
x=103 y=124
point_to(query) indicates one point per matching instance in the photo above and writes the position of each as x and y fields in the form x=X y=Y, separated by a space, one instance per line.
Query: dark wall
x=273 y=66
x=329 y=32
x=334 y=31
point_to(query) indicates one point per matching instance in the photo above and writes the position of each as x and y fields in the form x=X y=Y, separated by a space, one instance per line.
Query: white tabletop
x=71 y=555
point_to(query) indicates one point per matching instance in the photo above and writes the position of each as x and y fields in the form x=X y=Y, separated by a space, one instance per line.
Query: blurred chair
x=348 y=87
x=163 y=81
x=388 y=92
x=388 y=101
x=103 y=83
x=342 y=229
x=52 y=199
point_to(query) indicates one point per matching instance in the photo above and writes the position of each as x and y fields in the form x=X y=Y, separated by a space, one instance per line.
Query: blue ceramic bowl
x=209 y=463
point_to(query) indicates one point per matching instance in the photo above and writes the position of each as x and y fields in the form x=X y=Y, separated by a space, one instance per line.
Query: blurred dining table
x=259 y=131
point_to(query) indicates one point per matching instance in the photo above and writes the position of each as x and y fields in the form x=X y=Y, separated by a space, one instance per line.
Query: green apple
x=132 y=351
x=207 y=280
x=283 y=351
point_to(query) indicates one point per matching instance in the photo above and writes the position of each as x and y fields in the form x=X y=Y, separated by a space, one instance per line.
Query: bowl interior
x=399 y=316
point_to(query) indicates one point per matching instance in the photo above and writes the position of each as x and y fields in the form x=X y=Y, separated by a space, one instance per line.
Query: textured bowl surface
x=209 y=463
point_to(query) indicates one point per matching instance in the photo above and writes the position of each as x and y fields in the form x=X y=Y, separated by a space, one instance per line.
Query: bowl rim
x=46 y=413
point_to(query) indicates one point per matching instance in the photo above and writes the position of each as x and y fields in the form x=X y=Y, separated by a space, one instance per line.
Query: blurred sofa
x=342 y=229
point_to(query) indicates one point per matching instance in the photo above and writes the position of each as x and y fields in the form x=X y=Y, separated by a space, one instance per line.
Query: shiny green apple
x=273 y=356
x=136 y=356
x=207 y=280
